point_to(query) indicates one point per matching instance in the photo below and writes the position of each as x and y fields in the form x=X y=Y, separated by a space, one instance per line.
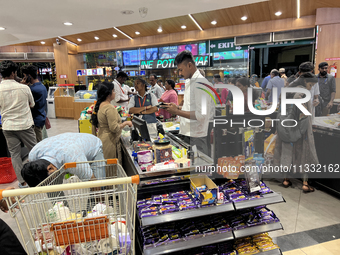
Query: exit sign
x=63 y=76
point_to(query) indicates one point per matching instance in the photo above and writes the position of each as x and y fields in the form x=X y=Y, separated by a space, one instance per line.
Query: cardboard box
x=206 y=197
x=85 y=126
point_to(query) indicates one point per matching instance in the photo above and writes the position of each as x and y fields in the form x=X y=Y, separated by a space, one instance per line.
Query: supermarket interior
x=210 y=128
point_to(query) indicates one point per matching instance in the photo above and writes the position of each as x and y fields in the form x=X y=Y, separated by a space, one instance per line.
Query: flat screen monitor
x=142 y=73
x=100 y=71
x=88 y=71
x=237 y=54
x=94 y=71
x=79 y=73
x=202 y=50
x=142 y=54
x=132 y=73
x=190 y=47
x=151 y=54
x=141 y=127
x=167 y=52
x=130 y=58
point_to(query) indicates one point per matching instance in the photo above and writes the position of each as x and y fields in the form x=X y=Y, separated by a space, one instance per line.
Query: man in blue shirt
x=52 y=153
x=39 y=93
x=266 y=80
x=275 y=82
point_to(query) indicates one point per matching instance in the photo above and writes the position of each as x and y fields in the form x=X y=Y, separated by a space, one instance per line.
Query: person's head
x=154 y=55
x=8 y=69
x=271 y=72
x=169 y=84
x=153 y=79
x=37 y=171
x=105 y=91
x=202 y=72
x=148 y=55
x=274 y=73
x=217 y=78
x=306 y=67
x=282 y=71
x=121 y=77
x=231 y=81
x=140 y=85
x=159 y=82
x=30 y=71
x=185 y=64
x=323 y=68
x=243 y=84
x=188 y=47
x=307 y=80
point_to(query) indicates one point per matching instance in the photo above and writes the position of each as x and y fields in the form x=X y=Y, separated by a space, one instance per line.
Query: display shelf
x=267 y=199
x=187 y=214
x=257 y=230
x=271 y=252
x=184 y=245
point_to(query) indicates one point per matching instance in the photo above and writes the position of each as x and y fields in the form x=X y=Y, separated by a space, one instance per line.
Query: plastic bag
x=269 y=144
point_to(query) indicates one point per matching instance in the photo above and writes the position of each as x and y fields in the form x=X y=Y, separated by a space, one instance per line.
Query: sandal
x=287 y=185
x=310 y=188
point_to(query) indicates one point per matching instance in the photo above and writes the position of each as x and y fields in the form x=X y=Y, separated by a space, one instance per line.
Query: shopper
x=169 y=96
x=254 y=82
x=39 y=93
x=194 y=124
x=9 y=242
x=302 y=151
x=122 y=92
x=275 y=82
x=160 y=83
x=144 y=103
x=243 y=84
x=17 y=123
x=217 y=80
x=327 y=88
x=106 y=118
x=52 y=153
x=283 y=76
x=265 y=82
x=155 y=88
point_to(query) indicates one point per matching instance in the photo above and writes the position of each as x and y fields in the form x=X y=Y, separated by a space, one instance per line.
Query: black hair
x=35 y=172
x=303 y=79
x=122 y=74
x=306 y=67
x=244 y=81
x=291 y=79
x=172 y=84
x=184 y=56
x=276 y=73
x=154 y=75
x=231 y=81
x=8 y=67
x=217 y=77
x=323 y=64
x=104 y=90
x=159 y=81
x=30 y=70
x=143 y=82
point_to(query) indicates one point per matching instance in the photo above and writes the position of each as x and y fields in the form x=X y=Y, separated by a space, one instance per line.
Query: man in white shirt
x=155 y=88
x=197 y=108
x=122 y=91
x=17 y=122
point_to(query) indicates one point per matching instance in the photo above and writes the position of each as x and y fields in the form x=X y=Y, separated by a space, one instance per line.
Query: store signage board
x=63 y=76
x=90 y=72
x=170 y=63
x=331 y=59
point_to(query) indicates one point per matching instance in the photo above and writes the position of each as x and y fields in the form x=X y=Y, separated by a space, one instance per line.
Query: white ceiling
x=32 y=20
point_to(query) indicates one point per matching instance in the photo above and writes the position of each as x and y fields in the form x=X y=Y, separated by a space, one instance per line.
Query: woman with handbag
x=295 y=146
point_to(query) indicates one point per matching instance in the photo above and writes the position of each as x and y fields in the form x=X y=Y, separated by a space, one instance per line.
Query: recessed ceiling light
x=278 y=13
x=68 y=24
x=2 y=28
x=127 y=12
x=160 y=30
x=42 y=42
x=137 y=33
x=183 y=27
x=114 y=35
x=79 y=40
x=96 y=37
x=244 y=18
x=214 y=22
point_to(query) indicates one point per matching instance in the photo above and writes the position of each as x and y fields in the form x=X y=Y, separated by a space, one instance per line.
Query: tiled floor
x=302 y=213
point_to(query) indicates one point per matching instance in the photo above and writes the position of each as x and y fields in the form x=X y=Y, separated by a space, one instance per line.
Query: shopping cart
x=69 y=216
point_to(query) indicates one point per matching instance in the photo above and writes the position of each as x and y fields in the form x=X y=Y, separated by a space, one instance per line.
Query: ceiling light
x=298 y=8
x=68 y=24
x=137 y=33
x=160 y=30
x=126 y=12
x=120 y=31
x=214 y=22
x=278 y=13
x=42 y=42
x=244 y=18
x=79 y=40
x=67 y=41
x=96 y=37
x=2 y=28
x=114 y=35
x=183 y=27
x=195 y=22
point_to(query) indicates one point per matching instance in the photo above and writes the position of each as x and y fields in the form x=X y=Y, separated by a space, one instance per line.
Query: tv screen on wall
x=189 y=47
x=130 y=58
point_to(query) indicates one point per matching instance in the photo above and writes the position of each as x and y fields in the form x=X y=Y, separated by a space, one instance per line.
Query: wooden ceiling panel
x=205 y=19
x=104 y=35
x=48 y=42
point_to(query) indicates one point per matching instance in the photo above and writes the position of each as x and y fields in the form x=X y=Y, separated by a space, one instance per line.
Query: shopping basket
x=70 y=216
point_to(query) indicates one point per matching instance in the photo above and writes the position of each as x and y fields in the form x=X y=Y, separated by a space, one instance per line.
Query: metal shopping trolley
x=70 y=216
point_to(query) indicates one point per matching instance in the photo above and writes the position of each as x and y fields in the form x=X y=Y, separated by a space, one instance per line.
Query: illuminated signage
x=170 y=63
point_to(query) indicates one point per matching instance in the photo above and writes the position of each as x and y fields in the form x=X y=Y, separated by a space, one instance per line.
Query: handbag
x=47 y=123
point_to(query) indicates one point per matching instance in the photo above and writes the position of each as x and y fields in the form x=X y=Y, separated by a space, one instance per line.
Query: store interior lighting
x=42 y=42
x=2 y=28
x=67 y=41
x=195 y=22
x=120 y=31
x=244 y=18
x=183 y=27
x=298 y=8
x=278 y=13
x=137 y=33
x=115 y=36
x=159 y=30
x=68 y=24
x=79 y=40
x=96 y=37
x=214 y=22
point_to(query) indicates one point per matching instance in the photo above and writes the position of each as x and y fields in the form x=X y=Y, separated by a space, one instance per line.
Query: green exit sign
x=170 y=63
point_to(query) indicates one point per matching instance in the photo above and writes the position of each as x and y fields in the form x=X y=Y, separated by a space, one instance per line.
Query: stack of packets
x=255 y=244
x=229 y=167
x=173 y=232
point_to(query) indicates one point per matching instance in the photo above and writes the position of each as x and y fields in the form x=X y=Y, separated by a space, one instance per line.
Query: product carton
x=208 y=196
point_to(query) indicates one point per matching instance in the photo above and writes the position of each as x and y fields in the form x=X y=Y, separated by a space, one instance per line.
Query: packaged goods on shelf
x=207 y=195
